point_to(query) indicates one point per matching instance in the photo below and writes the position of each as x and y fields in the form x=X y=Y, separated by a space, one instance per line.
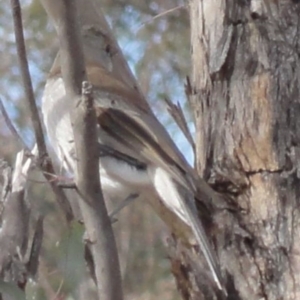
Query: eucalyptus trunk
x=244 y=93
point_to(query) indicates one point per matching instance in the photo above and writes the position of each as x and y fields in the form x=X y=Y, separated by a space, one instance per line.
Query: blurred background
x=154 y=36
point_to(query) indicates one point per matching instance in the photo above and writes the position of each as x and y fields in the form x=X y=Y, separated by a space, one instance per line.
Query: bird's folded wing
x=131 y=130
x=128 y=129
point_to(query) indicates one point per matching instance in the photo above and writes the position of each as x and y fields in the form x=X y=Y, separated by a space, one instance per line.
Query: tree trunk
x=245 y=100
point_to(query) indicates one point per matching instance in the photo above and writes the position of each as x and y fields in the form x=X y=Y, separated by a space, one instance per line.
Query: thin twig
x=33 y=261
x=27 y=83
x=177 y=114
x=46 y=165
x=162 y=14
x=59 y=290
x=11 y=127
x=122 y=205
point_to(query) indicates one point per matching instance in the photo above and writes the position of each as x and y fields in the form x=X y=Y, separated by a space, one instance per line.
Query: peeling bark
x=245 y=98
x=20 y=245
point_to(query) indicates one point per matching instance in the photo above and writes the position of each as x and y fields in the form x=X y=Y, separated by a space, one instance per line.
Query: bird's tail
x=183 y=205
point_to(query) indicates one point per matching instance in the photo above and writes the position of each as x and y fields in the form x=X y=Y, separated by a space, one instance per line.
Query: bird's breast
x=118 y=178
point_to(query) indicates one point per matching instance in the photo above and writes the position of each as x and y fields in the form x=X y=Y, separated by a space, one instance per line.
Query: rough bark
x=20 y=248
x=245 y=98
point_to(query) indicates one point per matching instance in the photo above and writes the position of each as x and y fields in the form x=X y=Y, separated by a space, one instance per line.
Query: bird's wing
x=130 y=129
x=133 y=132
x=138 y=111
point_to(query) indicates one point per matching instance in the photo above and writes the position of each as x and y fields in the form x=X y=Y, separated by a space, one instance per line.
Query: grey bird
x=137 y=155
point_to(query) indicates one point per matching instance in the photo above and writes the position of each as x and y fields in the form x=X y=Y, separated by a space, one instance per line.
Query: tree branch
x=11 y=127
x=22 y=55
x=100 y=235
x=14 y=232
x=46 y=164
x=177 y=114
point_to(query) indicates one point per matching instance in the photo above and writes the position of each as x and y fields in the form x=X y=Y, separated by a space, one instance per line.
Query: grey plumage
x=127 y=127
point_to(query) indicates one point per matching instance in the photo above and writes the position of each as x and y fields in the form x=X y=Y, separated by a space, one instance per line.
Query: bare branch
x=33 y=260
x=22 y=55
x=15 y=226
x=100 y=238
x=122 y=205
x=162 y=14
x=177 y=114
x=11 y=126
x=46 y=164
x=18 y=258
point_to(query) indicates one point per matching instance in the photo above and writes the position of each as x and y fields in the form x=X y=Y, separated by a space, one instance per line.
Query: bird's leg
x=121 y=205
